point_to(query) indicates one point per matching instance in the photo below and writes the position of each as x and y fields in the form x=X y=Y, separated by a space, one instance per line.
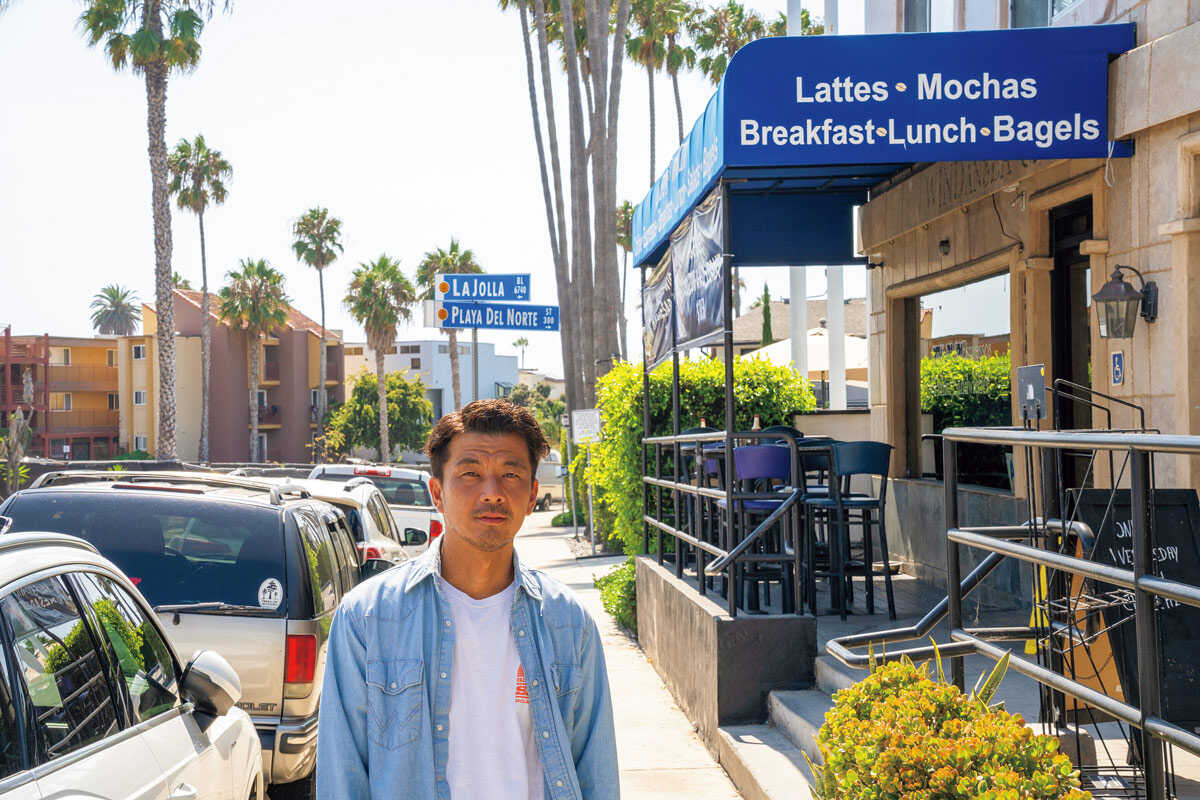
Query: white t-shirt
x=493 y=755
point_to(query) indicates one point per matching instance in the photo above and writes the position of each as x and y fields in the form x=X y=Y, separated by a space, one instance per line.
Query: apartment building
x=75 y=398
x=287 y=396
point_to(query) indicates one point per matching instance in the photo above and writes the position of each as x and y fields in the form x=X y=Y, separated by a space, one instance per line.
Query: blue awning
x=801 y=128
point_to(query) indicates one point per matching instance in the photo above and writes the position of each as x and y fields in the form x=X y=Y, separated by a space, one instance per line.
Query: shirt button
x=443 y=676
x=439 y=727
x=535 y=681
x=558 y=784
x=545 y=734
x=521 y=632
x=441 y=778
x=393 y=684
x=447 y=623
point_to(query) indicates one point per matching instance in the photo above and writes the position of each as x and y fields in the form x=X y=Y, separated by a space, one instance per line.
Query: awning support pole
x=730 y=471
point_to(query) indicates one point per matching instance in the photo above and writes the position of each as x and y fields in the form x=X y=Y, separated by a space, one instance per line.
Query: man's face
x=486 y=490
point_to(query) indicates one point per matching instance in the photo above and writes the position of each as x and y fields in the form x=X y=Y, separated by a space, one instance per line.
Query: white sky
x=410 y=121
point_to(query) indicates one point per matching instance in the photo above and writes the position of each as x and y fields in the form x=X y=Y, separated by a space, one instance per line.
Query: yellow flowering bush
x=898 y=735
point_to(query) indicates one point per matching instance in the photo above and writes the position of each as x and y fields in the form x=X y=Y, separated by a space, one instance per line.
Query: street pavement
x=658 y=751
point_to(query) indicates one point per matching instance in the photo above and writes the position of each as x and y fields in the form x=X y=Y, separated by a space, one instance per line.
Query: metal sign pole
x=591 y=516
x=474 y=363
x=571 y=480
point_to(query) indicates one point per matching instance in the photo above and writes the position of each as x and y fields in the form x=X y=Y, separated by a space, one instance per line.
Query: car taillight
x=435 y=529
x=369 y=551
x=300 y=663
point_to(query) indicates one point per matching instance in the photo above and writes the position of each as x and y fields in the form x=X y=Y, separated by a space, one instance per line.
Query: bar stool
x=850 y=459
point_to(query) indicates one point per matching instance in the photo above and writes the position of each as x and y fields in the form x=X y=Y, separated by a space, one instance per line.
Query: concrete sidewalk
x=660 y=755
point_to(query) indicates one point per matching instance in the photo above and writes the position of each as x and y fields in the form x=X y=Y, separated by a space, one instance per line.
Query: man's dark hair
x=494 y=415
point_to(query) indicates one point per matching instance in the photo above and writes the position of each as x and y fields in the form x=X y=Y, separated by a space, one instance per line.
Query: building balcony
x=270 y=416
x=83 y=420
x=27 y=352
x=16 y=396
x=71 y=378
x=270 y=372
x=333 y=370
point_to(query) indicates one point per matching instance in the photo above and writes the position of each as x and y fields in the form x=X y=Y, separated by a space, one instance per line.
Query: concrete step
x=833 y=676
x=763 y=763
x=798 y=715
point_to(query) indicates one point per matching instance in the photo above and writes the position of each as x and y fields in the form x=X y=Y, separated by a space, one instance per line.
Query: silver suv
x=252 y=569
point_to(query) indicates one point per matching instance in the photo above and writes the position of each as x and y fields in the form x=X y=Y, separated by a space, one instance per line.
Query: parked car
x=406 y=491
x=376 y=532
x=94 y=699
x=252 y=568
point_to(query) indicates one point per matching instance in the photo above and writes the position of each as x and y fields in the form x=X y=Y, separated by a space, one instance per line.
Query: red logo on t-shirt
x=522 y=689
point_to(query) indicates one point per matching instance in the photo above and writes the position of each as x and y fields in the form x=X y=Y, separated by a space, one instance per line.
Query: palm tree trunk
x=678 y=104
x=156 y=124
x=205 y=347
x=624 y=323
x=650 y=77
x=385 y=448
x=252 y=342
x=562 y=270
x=324 y=366
x=455 y=386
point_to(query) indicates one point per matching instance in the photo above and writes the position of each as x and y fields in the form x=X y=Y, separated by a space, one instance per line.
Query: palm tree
x=676 y=15
x=318 y=242
x=254 y=301
x=521 y=344
x=198 y=177
x=454 y=261
x=722 y=32
x=154 y=37
x=180 y=282
x=380 y=297
x=645 y=47
x=115 y=311
x=625 y=242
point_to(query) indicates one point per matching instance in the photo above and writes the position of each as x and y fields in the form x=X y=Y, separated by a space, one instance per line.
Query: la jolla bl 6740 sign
x=483 y=287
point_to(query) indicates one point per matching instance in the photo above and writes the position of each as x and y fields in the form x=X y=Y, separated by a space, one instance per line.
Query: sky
x=409 y=121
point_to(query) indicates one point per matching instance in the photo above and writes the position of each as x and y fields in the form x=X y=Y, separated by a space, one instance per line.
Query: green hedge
x=774 y=393
x=967 y=392
x=618 y=593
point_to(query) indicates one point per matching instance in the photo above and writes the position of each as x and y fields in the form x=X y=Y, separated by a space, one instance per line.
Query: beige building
x=1058 y=229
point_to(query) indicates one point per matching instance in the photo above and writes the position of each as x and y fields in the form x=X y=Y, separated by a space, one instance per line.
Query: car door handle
x=184 y=792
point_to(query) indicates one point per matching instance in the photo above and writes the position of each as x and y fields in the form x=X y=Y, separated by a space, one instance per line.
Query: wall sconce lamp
x=944 y=247
x=1118 y=305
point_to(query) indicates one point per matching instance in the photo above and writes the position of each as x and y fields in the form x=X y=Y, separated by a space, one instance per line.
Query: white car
x=406 y=492
x=100 y=705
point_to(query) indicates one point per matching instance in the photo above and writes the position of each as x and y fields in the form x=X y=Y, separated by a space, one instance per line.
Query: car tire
x=304 y=789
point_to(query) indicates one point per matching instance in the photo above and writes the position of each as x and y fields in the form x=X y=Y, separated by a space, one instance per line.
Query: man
x=463 y=674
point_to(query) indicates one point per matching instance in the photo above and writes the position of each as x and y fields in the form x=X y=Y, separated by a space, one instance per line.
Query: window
x=114 y=401
x=354 y=351
x=60 y=401
x=60 y=356
x=1035 y=13
x=416 y=363
x=174 y=548
x=383 y=518
x=111 y=356
x=10 y=734
x=139 y=352
x=141 y=443
x=135 y=646
x=320 y=564
x=442 y=348
x=391 y=351
x=403 y=491
x=139 y=397
x=262 y=398
x=61 y=666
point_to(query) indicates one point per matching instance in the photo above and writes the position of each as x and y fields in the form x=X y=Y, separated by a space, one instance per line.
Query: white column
x=798 y=305
x=835 y=312
x=831 y=15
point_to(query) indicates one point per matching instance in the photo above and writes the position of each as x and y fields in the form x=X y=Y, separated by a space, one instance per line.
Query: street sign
x=585 y=425
x=498 y=316
x=483 y=287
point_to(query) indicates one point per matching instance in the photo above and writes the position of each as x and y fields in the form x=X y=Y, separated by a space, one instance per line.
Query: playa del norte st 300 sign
x=1037 y=93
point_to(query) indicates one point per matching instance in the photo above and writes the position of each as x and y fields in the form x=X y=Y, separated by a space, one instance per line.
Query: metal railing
x=67 y=377
x=1003 y=542
x=731 y=550
x=63 y=421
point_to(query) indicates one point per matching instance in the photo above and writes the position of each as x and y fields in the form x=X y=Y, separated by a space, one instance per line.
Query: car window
x=61 y=666
x=142 y=658
x=353 y=520
x=403 y=491
x=10 y=731
x=175 y=549
x=383 y=517
x=343 y=547
x=320 y=563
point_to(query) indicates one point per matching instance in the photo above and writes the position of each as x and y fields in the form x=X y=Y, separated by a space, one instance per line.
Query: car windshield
x=175 y=549
x=396 y=491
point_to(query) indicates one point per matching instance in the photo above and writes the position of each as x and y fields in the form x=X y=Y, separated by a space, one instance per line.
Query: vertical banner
x=658 y=339
x=697 y=249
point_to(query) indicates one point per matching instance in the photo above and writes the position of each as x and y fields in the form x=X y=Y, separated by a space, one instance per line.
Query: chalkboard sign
x=1175 y=547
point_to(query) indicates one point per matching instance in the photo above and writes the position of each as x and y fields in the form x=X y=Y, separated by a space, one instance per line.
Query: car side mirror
x=211 y=684
x=415 y=536
x=374 y=566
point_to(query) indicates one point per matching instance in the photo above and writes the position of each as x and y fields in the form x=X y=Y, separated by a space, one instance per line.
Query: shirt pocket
x=565 y=678
x=394 y=701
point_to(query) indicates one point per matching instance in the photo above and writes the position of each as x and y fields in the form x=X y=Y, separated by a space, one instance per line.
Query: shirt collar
x=429 y=565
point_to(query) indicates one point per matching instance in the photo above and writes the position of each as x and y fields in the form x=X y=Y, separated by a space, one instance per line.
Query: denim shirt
x=384 y=727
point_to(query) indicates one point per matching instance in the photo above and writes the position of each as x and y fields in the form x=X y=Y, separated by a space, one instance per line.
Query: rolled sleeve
x=593 y=739
x=342 y=746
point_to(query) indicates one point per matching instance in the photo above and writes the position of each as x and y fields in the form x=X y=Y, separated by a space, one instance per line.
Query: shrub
x=898 y=734
x=132 y=455
x=564 y=518
x=966 y=392
x=618 y=593
x=774 y=393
